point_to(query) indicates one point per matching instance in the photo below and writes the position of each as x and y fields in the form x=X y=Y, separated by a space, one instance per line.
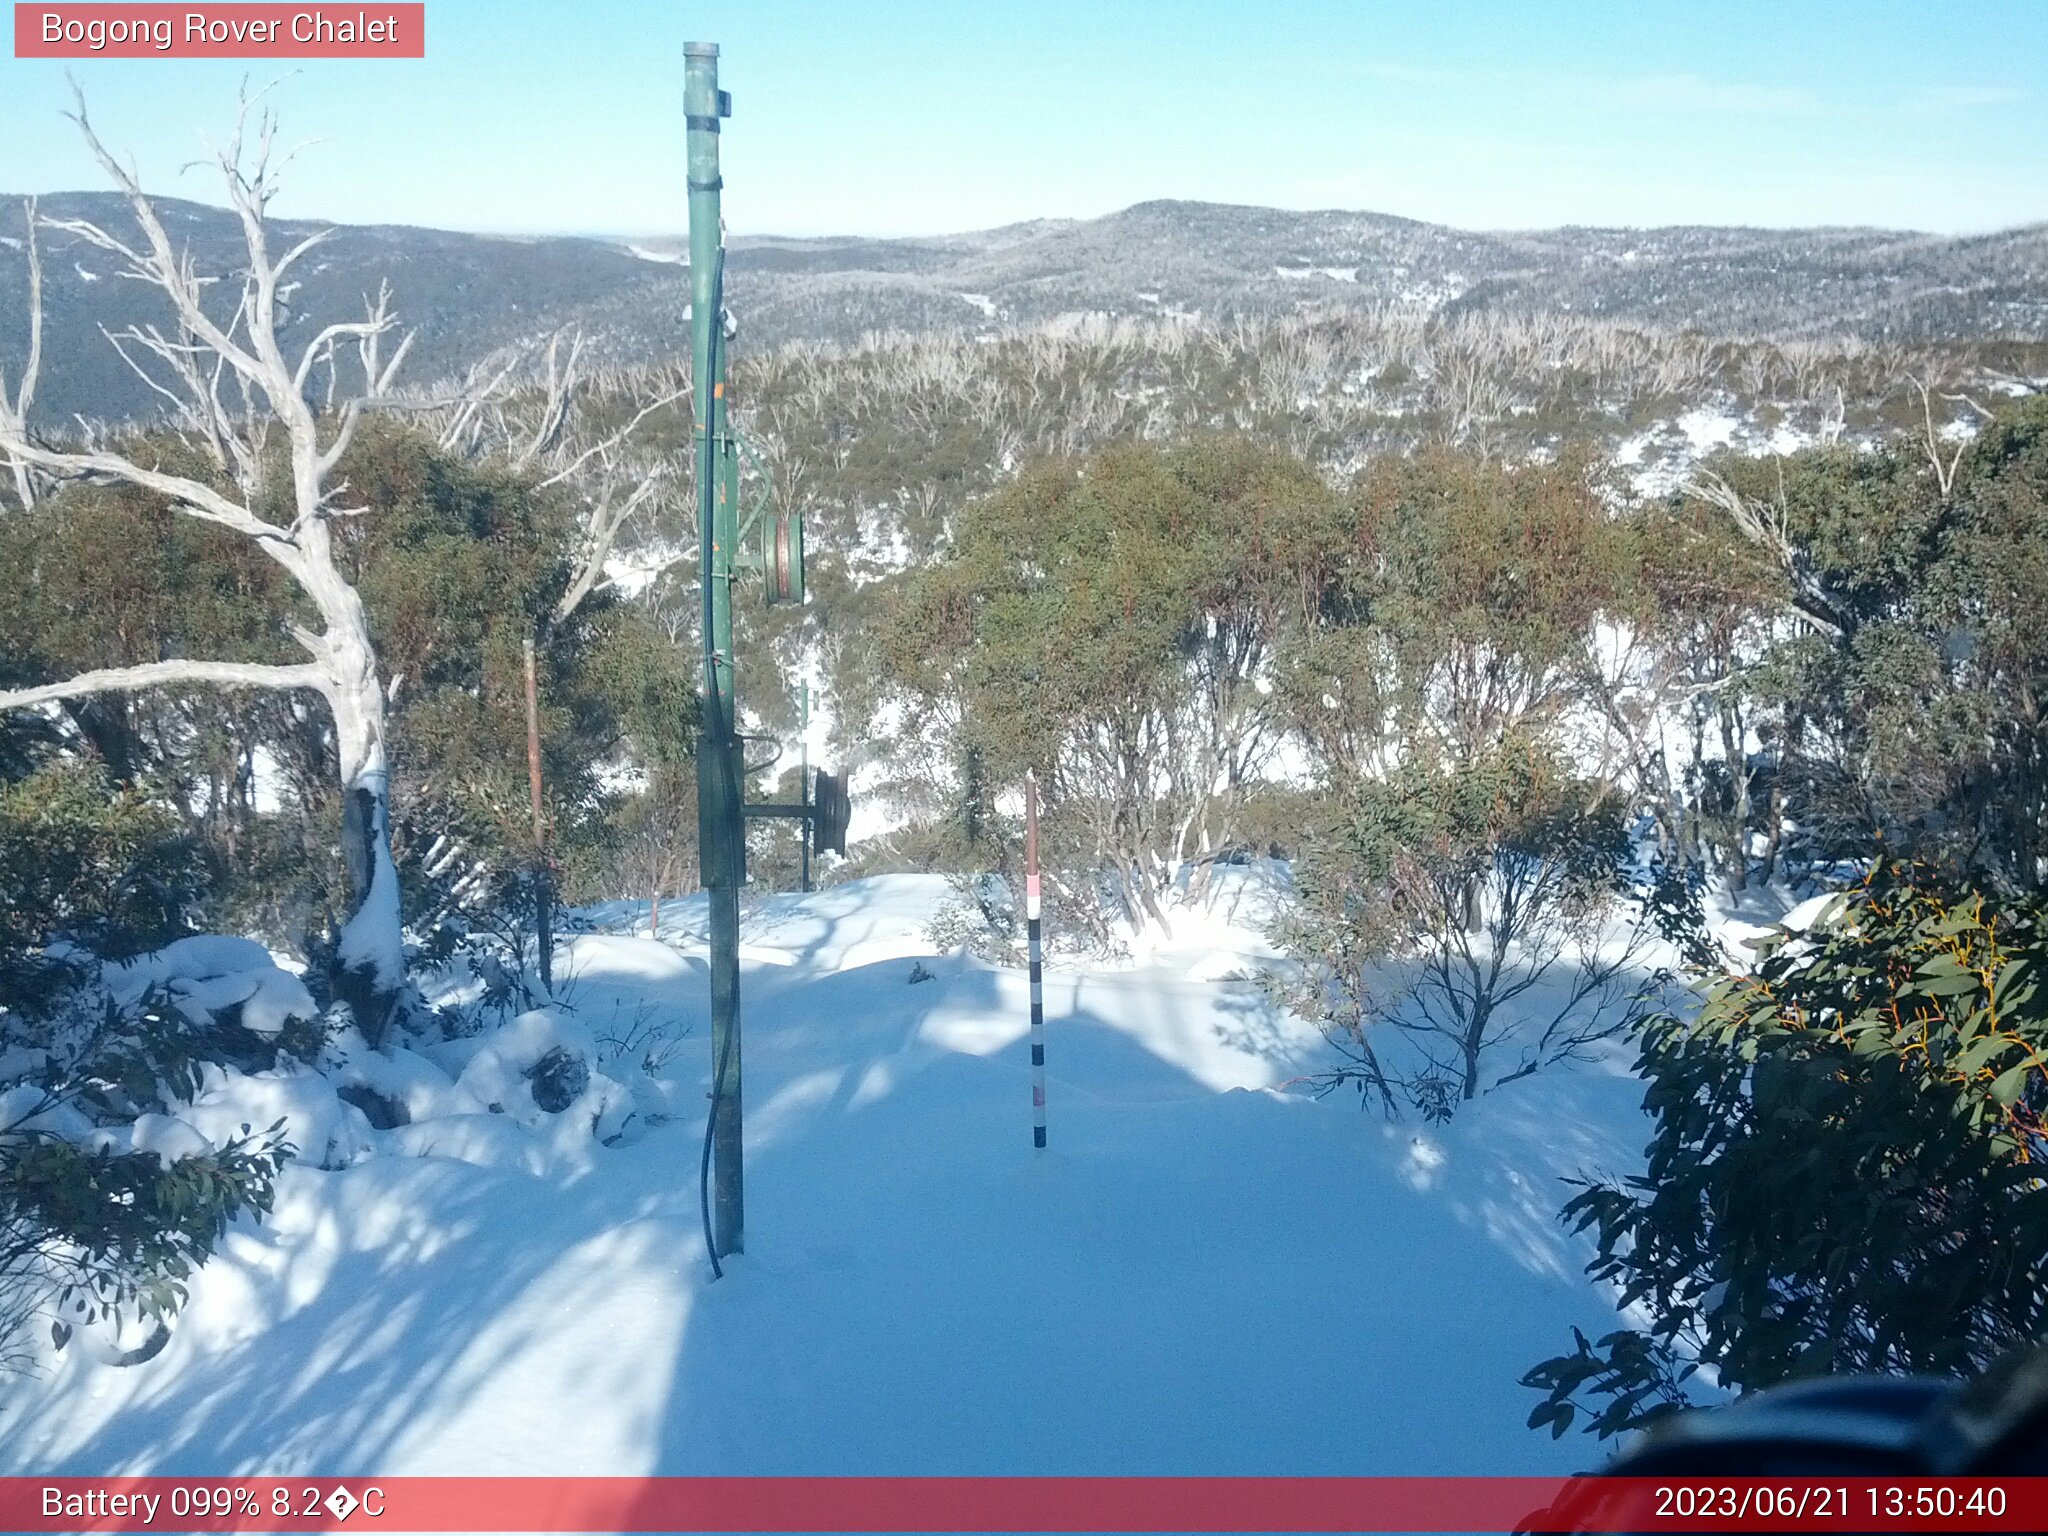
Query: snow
x=500 y=1077
x=328 y=1132
x=417 y=1086
x=632 y=574
x=26 y=1107
x=168 y=1137
x=1665 y=454
x=204 y=975
x=1209 y=1271
x=270 y=786
x=980 y=301
x=1706 y=429
x=372 y=941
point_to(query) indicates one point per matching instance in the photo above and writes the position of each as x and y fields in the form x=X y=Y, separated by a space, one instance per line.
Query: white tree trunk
x=370 y=955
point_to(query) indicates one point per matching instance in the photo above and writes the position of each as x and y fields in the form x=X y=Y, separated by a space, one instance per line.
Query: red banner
x=394 y=1504
x=359 y=31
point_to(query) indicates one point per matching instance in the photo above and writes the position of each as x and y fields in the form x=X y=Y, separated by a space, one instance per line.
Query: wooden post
x=543 y=892
x=803 y=781
x=1031 y=923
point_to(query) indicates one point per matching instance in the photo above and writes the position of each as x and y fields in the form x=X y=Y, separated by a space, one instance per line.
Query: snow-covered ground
x=1208 y=1271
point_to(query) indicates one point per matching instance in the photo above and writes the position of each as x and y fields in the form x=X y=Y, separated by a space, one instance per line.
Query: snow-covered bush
x=111 y=1188
x=108 y=1196
x=542 y=1068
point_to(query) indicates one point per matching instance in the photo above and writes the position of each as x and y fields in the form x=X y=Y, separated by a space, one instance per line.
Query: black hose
x=704 y=1166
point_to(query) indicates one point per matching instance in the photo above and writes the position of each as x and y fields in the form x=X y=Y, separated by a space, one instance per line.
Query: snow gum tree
x=1914 y=677
x=267 y=473
x=1108 y=622
x=1461 y=865
x=1463 y=906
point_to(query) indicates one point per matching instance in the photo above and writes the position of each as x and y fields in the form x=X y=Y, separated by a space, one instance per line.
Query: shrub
x=1847 y=1169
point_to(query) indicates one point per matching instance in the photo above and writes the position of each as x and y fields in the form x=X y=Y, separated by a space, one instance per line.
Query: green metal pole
x=803 y=779
x=721 y=839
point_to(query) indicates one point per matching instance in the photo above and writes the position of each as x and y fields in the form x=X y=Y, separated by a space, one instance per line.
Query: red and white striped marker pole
x=1032 y=929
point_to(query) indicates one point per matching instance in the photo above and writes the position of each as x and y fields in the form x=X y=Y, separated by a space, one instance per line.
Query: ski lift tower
x=775 y=546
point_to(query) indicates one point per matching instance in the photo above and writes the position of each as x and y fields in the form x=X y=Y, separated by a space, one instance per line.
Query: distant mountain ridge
x=471 y=294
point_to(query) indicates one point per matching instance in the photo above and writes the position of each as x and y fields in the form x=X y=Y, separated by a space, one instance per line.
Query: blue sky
x=919 y=116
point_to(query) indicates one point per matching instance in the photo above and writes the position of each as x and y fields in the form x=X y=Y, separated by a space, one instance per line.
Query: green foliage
x=89 y=1230
x=1455 y=612
x=1913 y=715
x=82 y=860
x=1847 y=1169
x=101 y=576
x=86 y=1233
x=1102 y=623
x=1455 y=877
x=457 y=563
x=85 y=1228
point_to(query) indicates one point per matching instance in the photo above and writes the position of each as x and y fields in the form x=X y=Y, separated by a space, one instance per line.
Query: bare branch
x=318 y=347
x=561 y=394
x=191 y=497
x=1944 y=469
x=156 y=344
x=160 y=674
x=605 y=524
x=608 y=444
x=1768 y=526
x=14 y=413
x=162 y=266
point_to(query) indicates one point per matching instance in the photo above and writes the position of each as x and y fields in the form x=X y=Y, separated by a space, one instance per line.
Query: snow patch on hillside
x=1334 y=274
x=1663 y=456
x=632 y=572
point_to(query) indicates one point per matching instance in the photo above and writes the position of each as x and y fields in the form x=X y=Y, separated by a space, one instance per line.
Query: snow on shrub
x=407 y=1085
x=209 y=975
x=327 y=1132
x=169 y=1137
x=541 y=1070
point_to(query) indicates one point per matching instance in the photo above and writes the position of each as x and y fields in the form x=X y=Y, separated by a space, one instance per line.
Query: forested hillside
x=471 y=295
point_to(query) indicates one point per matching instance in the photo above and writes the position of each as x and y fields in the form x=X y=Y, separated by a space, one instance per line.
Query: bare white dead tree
x=530 y=408
x=1945 y=466
x=1767 y=524
x=14 y=412
x=193 y=364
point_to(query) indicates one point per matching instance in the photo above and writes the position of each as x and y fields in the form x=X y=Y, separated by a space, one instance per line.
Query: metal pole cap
x=700 y=50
